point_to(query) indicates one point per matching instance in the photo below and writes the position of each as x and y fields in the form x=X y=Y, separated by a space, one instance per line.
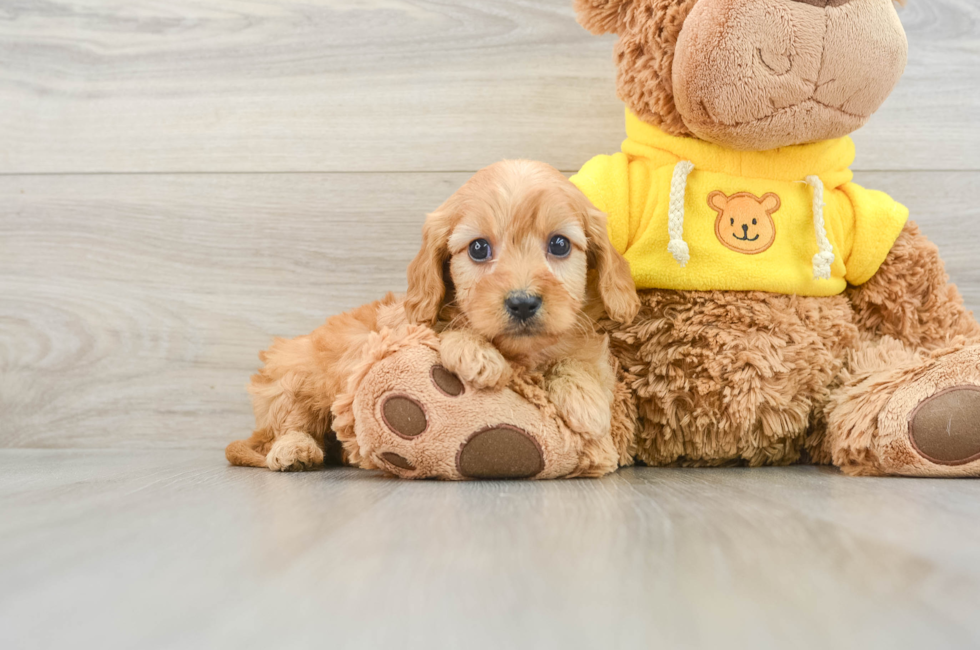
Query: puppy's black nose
x=522 y=306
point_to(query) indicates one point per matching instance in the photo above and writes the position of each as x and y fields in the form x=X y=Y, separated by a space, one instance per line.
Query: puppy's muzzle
x=522 y=306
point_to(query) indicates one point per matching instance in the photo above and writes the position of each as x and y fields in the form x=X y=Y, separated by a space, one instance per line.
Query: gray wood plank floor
x=173 y=550
x=182 y=181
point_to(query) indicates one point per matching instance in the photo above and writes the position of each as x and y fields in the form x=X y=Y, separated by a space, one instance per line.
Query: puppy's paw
x=294 y=452
x=475 y=361
x=586 y=407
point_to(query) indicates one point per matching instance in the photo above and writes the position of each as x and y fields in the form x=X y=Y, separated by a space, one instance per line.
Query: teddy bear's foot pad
x=415 y=419
x=398 y=461
x=500 y=452
x=945 y=428
x=404 y=416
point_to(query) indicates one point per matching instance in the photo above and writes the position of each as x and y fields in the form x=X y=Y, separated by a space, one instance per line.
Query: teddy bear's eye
x=733 y=222
x=754 y=222
x=480 y=250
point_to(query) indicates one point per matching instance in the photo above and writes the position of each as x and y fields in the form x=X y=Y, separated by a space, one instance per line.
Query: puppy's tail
x=251 y=452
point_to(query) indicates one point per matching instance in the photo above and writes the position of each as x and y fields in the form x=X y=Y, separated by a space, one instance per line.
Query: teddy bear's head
x=753 y=74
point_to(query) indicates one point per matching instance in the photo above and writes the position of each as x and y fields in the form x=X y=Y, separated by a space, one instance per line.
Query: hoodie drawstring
x=823 y=260
x=675 y=215
x=679 y=249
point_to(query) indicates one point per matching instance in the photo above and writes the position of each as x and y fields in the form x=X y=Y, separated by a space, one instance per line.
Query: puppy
x=514 y=267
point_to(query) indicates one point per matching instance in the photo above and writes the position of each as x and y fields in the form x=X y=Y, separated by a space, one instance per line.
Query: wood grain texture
x=134 y=306
x=175 y=550
x=382 y=85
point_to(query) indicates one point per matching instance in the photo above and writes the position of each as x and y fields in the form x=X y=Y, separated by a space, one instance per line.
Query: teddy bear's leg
x=411 y=417
x=909 y=402
x=907 y=412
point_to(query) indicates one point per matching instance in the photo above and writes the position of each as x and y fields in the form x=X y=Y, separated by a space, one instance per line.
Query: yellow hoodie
x=691 y=215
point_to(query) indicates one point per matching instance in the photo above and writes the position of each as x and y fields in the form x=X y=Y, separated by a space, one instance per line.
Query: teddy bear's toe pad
x=945 y=428
x=501 y=452
x=398 y=461
x=404 y=416
x=448 y=383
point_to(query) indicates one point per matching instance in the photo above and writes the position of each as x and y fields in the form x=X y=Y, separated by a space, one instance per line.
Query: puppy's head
x=525 y=250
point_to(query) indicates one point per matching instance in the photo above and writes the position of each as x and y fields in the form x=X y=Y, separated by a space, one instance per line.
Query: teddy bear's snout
x=833 y=62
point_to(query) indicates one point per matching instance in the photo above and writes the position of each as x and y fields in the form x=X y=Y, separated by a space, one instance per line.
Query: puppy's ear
x=615 y=282
x=426 y=288
x=602 y=16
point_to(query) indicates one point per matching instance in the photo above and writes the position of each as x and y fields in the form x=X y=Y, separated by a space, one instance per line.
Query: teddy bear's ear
x=602 y=16
x=771 y=202
x=718 y=201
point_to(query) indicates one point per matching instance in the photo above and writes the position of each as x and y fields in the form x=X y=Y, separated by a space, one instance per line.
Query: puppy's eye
x=559 y=246
x=480 y=250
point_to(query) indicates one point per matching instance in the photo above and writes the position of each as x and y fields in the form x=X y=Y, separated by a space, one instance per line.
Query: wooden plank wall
x=181 y=181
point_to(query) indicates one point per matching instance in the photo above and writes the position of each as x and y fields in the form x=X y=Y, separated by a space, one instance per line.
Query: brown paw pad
x=397 y=461
x=501 y=452
x=945 y=428
x=447 y=382
x=404 y=416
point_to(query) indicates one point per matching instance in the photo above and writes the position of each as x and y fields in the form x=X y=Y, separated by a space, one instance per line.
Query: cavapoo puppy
x=514 y=267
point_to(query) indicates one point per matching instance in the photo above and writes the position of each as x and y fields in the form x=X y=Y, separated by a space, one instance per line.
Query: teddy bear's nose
x=823 y=3
x=745 y=230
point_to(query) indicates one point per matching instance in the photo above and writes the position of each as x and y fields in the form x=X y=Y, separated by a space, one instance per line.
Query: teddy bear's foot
x=945 y=428
x=927 y=424
x=415 y=419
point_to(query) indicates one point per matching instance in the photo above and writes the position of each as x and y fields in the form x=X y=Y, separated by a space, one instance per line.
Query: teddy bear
x=789 y=315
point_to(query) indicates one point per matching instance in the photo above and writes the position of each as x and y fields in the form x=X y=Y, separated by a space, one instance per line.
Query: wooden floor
x=174 y=550
x=181 y=181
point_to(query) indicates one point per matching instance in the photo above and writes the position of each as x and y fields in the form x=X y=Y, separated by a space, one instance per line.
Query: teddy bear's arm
x=605 y=181
x=911 y=299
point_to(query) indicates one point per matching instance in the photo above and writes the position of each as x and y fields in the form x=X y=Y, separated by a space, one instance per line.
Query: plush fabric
x=752 y=74
x=757 y=74
x=633 y=188
x=648 y=32
x=737 y=114
x=873 y=411
x=510 y=433
x=724 y=378
x=910 y=298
